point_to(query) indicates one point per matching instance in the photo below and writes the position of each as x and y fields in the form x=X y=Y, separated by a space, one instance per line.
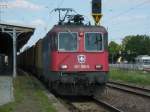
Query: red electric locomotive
x=75 y=59
x=72 y=58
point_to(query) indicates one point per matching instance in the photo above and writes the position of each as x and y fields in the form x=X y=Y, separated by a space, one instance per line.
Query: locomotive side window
x=53 y=42
x=67 y=41
x=93 y=42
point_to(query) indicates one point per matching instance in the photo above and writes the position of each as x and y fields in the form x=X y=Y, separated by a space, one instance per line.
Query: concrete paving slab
x=6 y=89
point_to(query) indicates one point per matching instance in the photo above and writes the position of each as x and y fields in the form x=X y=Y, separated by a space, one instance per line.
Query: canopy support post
x=14 y=54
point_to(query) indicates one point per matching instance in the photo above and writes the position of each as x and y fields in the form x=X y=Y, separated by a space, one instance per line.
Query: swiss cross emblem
x=81 y=58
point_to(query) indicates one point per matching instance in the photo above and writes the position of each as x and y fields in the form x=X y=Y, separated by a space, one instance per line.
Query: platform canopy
x=12 y=38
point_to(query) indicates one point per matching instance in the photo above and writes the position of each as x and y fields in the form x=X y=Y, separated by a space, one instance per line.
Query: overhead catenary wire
x=57 y=5
x=128 y=10
x=139 y=5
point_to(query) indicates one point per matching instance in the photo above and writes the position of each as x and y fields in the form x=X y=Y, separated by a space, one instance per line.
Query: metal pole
x=14 y=53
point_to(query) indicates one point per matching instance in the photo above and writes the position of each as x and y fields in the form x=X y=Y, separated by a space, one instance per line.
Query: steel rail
x=127 y=89
x=70 y=106
x=100 y=103
x=130 y=86
x=107 y=105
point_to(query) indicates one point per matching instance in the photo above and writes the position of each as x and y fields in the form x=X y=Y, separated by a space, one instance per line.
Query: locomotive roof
x=78 y=28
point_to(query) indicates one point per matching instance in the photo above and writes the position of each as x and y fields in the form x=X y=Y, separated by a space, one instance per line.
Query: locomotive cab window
x=67 y=41
x=93 y=42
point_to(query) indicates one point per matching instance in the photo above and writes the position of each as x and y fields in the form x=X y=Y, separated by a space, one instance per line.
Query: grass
x=29 y=95
x=135 y=77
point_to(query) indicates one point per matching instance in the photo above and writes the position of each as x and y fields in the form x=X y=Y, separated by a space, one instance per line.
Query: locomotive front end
x=81 y=58
x=80 y=52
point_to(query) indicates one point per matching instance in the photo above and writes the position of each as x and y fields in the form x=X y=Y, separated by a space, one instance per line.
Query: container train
x=72 y=58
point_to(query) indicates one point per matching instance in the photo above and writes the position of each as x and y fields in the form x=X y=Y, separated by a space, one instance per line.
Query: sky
x=120 y=17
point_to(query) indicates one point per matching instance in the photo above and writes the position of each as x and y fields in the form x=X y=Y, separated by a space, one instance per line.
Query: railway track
x=130 y=89
x=87 y=104
x=67 y=103
x=74 y=105
x=107 y=105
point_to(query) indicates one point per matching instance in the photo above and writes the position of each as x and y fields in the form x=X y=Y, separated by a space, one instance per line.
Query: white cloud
x=23 y=4
x=131 y=18
x=38 y=22
x=15 y=21
x=121 y=3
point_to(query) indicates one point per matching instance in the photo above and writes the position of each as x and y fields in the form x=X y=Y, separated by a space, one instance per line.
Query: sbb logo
x=81 y=58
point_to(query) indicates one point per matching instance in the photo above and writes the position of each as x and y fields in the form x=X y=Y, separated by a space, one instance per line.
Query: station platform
x=6 y=89
x=12 y=38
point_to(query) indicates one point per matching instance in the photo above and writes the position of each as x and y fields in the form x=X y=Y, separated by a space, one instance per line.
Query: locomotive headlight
x=64 y=67
x=99 y=67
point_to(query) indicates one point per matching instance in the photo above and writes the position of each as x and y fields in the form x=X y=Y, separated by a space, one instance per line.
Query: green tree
x=136 y=45
x=114 y=49
x=125 y=41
